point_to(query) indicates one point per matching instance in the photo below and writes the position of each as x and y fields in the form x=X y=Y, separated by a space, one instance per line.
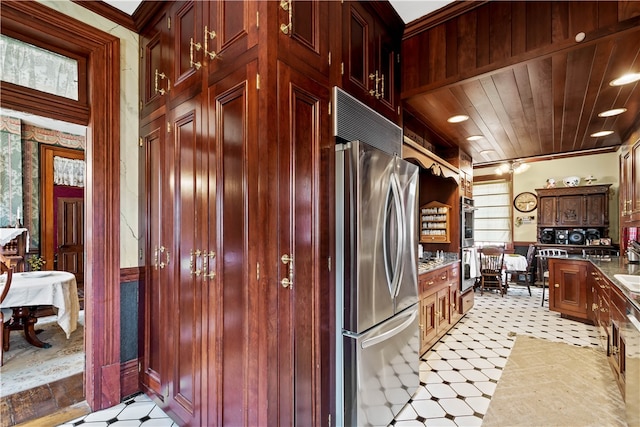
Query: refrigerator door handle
x=392 y=332
x=398 y=267
x=391 y=270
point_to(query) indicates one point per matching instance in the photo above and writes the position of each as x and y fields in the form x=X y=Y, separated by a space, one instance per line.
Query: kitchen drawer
x=467 y=301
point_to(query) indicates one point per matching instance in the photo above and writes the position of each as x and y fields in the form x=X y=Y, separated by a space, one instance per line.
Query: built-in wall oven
x=468 y=255
x=466 y=228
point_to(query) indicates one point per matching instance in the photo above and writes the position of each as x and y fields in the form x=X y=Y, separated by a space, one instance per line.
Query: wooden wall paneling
x=538 y=24
x=483 y=32
x=467 y=35
x=628 y=9
x=437 y=51
x=452 y=47
x=561 y=28
x=102 y=292
x=499 y=31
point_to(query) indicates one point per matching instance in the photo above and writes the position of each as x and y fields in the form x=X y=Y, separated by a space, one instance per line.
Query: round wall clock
x=525 y=202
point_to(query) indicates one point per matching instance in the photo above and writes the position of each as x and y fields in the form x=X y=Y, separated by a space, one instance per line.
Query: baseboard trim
x=129 y=377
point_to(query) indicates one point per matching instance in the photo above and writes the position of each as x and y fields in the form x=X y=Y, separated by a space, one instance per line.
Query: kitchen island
x=587 y=289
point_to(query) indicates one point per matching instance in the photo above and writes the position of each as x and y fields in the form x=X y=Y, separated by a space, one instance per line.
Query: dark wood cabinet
x=630 y=185
x=440 y=303
x=573 y=208
x=370 y=62
x=568 y=288
x=236 y=176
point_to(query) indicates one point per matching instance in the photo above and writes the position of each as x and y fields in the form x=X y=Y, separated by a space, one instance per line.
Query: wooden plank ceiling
x=545 y=104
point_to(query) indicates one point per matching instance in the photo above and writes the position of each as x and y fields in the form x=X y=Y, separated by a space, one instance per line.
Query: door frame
x=47 y=231
x=100 y=112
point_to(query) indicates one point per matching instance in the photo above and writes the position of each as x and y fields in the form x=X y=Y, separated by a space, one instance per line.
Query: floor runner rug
x=546 y=383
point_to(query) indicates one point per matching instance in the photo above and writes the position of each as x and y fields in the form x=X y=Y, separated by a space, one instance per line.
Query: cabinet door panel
x=188 y=57
x=547 y=211
x=186 y=299
x=357 y=44
x=158 y=160
x=595 y=212
x=568 y=288
x=428 y=320
x=233 y=320
x=570 y=210
x=231 y=30
x=304 y=235
x=634 y=183
x=154 y=66
x=306 y=41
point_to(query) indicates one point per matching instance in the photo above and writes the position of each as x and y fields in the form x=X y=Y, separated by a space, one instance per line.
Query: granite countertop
x=429 y=266
x=610 y=266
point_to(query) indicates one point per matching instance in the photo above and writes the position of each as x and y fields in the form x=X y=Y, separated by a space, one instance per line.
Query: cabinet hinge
x=329 y=420
x=169 y=127
x=257 y=19
x=258 y=81
x=342 y=68
x=329 y=58
x=168 y=22
x=398 y=58
x=257 y=271
x=329 y=108
x=140 y=105
x=329 y=263
x=141 y=52
x=140 y=141
x=398 y=110
x=139 y=366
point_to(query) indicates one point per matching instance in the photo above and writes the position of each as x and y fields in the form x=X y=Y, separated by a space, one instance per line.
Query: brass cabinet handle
x=209 y=35
x=286 y=28
x=287 y=260
x=161 y=76
x=198 y=46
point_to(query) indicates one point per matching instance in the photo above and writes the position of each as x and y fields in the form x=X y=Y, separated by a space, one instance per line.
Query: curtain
x=10 y=172
x=30 y=66
x=492 y=219
x=69 y=172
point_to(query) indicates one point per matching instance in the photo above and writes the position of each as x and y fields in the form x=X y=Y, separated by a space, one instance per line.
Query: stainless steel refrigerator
x=376 y=285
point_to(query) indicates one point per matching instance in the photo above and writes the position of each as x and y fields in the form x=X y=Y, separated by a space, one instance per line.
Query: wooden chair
x=597 y=252
x=530 y=275
x=5 y=270
x=543 y=264
x=491 y=269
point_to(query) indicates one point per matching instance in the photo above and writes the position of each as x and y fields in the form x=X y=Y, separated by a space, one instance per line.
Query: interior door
x=70 y=238
x=305 y=150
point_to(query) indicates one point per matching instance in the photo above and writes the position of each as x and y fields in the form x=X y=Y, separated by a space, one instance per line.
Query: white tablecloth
x=515 y=262
x=8 y=234
x=56 y=288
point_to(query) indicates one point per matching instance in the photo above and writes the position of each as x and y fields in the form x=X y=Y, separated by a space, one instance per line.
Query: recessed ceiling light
x=474 y=137
x=602 y=133
x=458 y=118
x=626 y=79
x=612 y=112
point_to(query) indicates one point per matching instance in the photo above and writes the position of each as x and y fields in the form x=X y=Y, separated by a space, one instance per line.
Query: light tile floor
x=458 y=375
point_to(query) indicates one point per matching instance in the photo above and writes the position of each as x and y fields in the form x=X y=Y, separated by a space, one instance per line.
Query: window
x=492 y=219
x=27 y=65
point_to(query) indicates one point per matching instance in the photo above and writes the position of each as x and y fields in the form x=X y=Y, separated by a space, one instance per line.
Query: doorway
x=98 y=108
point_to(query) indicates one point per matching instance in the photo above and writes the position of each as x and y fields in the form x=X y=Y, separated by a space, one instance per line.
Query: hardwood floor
x=48 y=404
